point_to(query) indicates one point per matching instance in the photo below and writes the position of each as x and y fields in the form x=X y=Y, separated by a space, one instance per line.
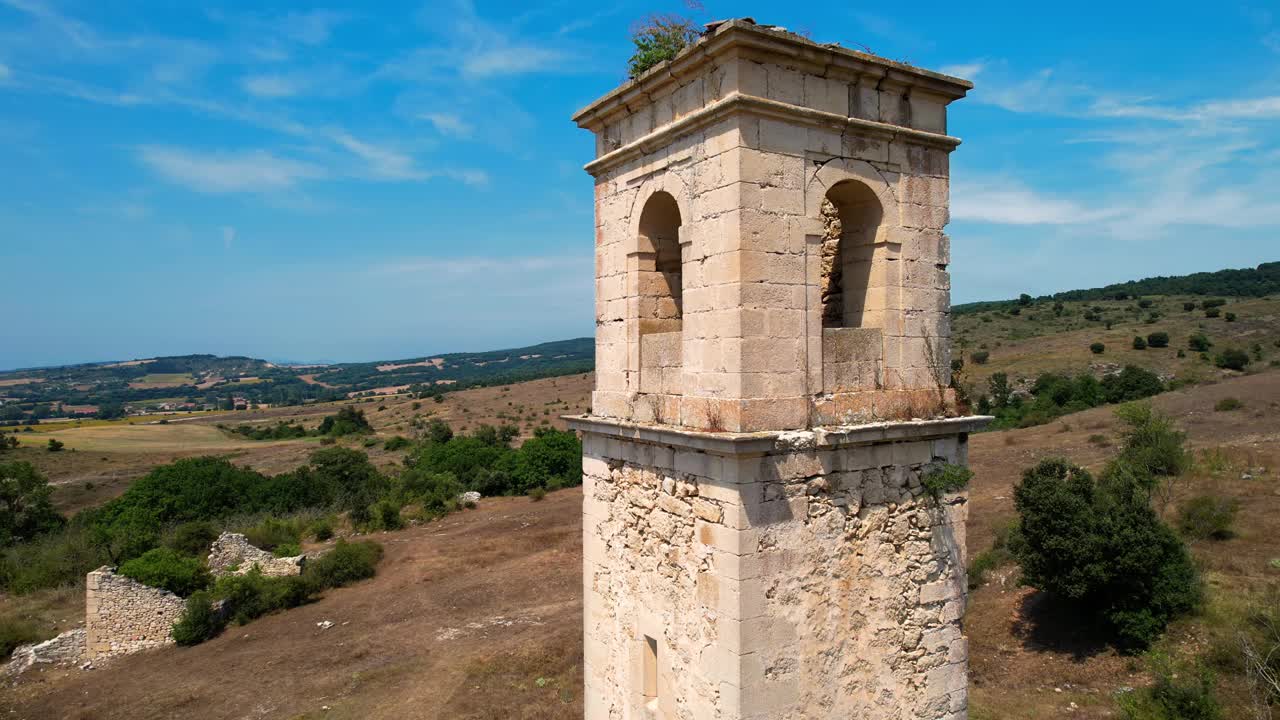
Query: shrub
x=1100 y=546
x=199 y=621
x=345 y=564
x=399 y=442
x=165 y=568
x=55 y=445
x=1230 y=317
x=1152 y=444
x=1099 y=440
x=386 y=515
x=1000 y=554
x=192 y=538
x=321 y=529
x=1227 y=404
x=980 y=357
x=1208 y=516
x=1139 y=343
x=272 y=532
x=1212 y=312
x=26 y=507
x=1178 y=694
x=1199 y=343
x=537 y=494
x=1097 y=348
x=1232 y=359
x=287 y=550
x=659 y=39
x=348 y=421
x=1131 y=383
x=1188 y=306
x=945 y=479
x=1158 y=340
x=1144 y=303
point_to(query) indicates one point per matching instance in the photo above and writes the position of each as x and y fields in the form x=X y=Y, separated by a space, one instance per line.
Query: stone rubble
x=232 y=554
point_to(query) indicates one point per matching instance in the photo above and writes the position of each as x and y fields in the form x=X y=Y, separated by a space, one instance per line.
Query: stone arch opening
x=660 y=266
x=854 y=276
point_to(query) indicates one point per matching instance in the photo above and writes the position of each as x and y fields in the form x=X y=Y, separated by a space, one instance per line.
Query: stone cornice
x=739 y=103
x=745 y=36
x=761 y=443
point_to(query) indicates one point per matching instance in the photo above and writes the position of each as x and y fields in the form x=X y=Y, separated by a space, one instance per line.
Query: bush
x=980 y=357
x=1144 y=303
x=1158 y=340
x=26 y=507
x=1199 y=343
x=1232 y=359
x=1212 y=312
x=1185 y=694
x=1100 y=546
x=659 y=39
x=287 y=550
x=386 y=515
x=345 y=564
x=272 y=532
x=192 y=538
x=1152 y=445
x=1097 y=348
x=348 y=421
x=199 y=621
x=1139 y=343
x=537 y=494
x=321 y=529
x=999 y=555
x=1227 y=404
x=945 y=479
x=1208 y=516
x=55 y=445
x=164 y=568
x=1188 y=306
x=399 y=442
x=1231 y=317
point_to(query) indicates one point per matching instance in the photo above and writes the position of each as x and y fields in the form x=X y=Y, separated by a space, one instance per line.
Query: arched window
x=661 y=302
x=854 y=273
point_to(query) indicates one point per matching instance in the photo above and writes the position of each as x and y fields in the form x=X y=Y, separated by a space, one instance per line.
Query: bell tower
x=772 y=388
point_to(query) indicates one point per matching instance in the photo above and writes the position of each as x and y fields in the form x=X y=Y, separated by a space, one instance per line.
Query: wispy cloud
x=1007 y=202
x=227 y=172
x=228 y=236
x=5 y=72
x=311 y=28
x=968 y=71
x=381 y=162
x=272 y=86
x=448 y=124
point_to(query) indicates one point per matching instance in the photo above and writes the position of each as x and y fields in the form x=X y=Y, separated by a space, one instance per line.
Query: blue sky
x=383 y=180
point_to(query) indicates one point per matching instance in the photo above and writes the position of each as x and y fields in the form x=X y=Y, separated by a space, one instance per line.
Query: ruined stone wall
x=65 y=649
x=806 y=580
x=124 y=616
x=232 y=554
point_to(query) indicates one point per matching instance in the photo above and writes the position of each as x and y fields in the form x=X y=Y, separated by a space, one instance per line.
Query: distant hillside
x=1248 y=282
x=207 y=382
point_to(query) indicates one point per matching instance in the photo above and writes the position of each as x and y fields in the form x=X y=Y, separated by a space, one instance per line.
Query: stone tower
x=772 y=371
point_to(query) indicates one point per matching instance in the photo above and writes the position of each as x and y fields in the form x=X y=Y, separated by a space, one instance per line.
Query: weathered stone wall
x=66 y=649
x=124 y=616
x=232 y=554
x=803 y=576
x=749 y=133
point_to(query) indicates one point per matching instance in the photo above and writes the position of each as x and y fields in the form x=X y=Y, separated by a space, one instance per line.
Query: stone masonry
x=65 y=649
x=757 y=541
x=124 y=616
x=232 y=554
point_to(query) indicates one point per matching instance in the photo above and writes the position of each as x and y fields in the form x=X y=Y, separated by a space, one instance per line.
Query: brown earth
x=446 y=630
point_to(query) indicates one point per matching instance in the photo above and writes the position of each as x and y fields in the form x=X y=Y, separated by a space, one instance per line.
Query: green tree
x=26 y=509
x=55 y=445
x=659 y=39
x=1097 y=348
x=1232 y=359
x=1139 y=343
x=1158 y=340
x=1199 y=343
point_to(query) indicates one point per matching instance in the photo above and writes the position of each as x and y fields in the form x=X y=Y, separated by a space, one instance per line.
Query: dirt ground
x=460 y=622
x=479 y=615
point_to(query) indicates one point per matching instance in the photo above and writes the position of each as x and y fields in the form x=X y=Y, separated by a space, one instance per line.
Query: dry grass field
x=479 y=615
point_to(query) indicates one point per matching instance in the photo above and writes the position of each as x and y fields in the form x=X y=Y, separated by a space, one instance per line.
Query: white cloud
x=228 y=236
x=1009 y=203
x=1241 y=109
x=511 y=61
x=381 y=162
x=272 y=86
x=311 y=28
x=968 y=71
x=448 y=124
x=5 y=72
x=254 y=171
